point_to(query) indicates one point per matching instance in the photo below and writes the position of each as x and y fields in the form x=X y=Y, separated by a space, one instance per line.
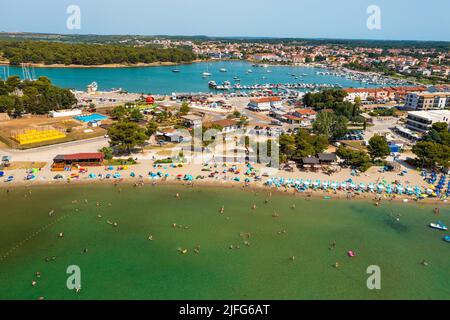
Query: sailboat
x=206 y=73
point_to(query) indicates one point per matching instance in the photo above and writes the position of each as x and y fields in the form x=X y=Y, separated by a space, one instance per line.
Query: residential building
x=192 y=121
x=422 y=121
x=265 y=104
x=227 y=125
x=427 y=100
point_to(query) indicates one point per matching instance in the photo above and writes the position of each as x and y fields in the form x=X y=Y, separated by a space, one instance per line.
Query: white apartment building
x=422 y=121
x=427 y=100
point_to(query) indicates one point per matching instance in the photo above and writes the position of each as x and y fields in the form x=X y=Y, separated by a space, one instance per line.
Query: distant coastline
x=112 y=65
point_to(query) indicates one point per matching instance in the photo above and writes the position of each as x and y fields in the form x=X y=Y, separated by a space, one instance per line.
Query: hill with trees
x=45 y=52
x=36 y=97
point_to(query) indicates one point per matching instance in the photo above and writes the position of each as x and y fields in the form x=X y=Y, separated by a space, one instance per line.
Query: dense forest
x=36 y=97
x=88 y=54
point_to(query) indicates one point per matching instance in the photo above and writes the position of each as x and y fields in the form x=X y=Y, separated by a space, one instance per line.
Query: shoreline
x=320 y=194
x=105 y=66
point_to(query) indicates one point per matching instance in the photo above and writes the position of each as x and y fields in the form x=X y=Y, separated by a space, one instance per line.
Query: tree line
x=36 y=97
x=334 y=113
x=18 y=52
x=433 y=151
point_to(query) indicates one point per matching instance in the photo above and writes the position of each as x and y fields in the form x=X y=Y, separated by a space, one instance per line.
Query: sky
x=344 y=19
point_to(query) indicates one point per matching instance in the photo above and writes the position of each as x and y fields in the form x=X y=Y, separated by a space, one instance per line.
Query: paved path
x=47 y=153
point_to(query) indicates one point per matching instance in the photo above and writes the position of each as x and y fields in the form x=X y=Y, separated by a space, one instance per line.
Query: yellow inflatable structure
x=36 y=136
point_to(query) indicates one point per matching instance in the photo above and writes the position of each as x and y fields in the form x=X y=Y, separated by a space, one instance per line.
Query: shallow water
x=161 y=80
x=122 y=263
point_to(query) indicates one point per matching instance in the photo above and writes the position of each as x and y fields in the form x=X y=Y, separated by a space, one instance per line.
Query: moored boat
x=439 y=226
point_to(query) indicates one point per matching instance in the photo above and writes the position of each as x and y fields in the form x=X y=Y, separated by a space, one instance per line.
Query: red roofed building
x=265 y=104
x=390 y=93
x=61 y=162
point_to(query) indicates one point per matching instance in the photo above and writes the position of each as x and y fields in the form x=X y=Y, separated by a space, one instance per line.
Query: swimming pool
x=91 y=117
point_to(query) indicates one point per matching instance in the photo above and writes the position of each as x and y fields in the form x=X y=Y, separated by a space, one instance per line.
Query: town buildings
x=422 y=121
x=265 y=104
x=427 y=100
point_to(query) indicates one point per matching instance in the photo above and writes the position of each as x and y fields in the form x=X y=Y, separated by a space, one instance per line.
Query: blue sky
x=400 y=19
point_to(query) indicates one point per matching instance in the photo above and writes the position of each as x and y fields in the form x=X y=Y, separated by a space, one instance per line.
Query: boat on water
x=249 y=71
x=439 y=226
x=206 y=73
x=176 y=71
x=223 y=70
x=447 y=238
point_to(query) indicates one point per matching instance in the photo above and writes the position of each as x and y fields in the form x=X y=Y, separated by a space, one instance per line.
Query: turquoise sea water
x=161 y=80
x=122 y=263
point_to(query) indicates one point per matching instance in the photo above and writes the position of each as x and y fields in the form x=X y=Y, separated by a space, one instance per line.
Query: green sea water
x=122 y=263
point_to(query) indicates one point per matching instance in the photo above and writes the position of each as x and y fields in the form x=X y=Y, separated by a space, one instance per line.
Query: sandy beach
x=143 y=169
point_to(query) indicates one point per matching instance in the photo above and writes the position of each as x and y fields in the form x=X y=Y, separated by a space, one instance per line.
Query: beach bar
x=67 y=161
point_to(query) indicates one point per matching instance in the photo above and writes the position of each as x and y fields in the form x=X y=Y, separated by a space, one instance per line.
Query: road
x=47 y=153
